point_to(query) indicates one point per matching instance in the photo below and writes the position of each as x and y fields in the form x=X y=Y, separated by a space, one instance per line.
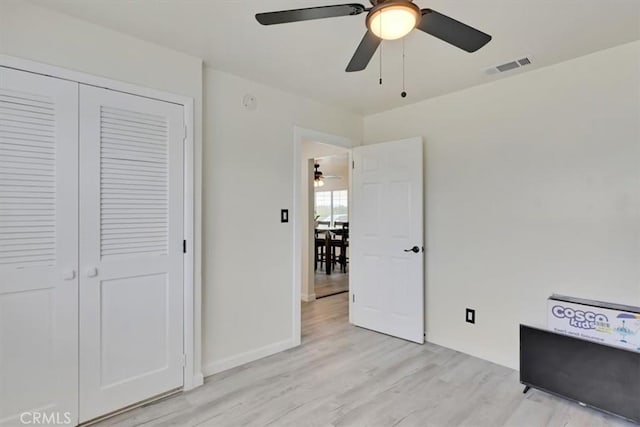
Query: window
x=340 y=206
x=332 y=206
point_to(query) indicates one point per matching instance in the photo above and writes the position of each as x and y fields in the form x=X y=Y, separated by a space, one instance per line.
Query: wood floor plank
x=342 y=375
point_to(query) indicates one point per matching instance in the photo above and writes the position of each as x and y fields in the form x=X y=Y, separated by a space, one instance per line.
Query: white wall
x=532 y=187
x=248 y=178
x=37 y=34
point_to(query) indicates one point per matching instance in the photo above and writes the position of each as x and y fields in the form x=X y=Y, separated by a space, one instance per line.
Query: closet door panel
x=38 y=248
x=131 y=282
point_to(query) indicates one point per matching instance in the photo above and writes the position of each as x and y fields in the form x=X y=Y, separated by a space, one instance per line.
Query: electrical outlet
x=470 y=316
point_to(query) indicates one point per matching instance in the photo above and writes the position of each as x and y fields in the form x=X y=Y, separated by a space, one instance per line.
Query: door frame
x=193 y=376
x=300 y=135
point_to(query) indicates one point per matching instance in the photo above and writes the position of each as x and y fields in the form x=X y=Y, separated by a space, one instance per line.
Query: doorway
x=310 y=145
x=330 y=212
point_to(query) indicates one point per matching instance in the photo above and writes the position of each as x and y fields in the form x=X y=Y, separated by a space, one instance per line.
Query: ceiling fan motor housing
x=379 y=2
x=381 y=5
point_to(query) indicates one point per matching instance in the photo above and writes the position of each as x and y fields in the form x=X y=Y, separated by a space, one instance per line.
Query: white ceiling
x=309 y=58
x=337 y=165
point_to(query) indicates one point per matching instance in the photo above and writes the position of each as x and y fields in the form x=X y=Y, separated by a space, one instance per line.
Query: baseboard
x=246 y=357
x=308 y=297
x=473 y=352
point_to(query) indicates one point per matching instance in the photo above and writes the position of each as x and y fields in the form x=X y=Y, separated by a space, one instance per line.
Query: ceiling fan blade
x=295 y=15
x=452 y=31
x=364 y=52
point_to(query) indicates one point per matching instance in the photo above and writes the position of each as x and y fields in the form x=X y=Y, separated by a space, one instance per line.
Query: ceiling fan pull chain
x=403 y=93
x=380 y=71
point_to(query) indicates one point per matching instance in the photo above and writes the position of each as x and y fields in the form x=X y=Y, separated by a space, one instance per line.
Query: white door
x=386 y=242
x=38 y=248
x=131 y=253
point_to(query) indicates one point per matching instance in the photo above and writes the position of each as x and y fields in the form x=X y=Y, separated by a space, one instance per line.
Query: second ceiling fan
x=319 y=177
x=387 y=20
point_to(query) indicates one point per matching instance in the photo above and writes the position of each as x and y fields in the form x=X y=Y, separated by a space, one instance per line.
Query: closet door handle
x=69 y=274
x=92 y=272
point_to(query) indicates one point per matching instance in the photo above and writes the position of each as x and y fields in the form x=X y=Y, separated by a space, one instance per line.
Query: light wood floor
x=346 y=376
x=330 y=284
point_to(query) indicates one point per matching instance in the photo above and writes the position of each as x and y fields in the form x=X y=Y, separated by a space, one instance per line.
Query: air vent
x=508 y=66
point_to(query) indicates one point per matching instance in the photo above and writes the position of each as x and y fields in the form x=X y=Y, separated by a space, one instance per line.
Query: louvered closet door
x=38 y=247
x=131 y=192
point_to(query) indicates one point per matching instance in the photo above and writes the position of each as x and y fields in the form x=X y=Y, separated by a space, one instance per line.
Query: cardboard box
x=612 y=324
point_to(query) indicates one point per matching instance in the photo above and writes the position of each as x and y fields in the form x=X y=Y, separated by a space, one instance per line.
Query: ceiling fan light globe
x=393 y=21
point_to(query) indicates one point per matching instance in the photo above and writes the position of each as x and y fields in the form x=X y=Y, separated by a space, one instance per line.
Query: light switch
x=470 y=315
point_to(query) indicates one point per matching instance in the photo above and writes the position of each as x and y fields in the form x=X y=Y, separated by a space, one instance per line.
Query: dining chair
x=340 y=241
x=320 y=245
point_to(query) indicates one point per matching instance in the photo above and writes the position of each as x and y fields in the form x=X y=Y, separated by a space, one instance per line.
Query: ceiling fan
x=318 y=177
x=386 y=20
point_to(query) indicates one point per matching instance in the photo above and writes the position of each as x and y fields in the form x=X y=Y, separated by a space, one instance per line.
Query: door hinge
x=353 y=164
x=353 y=298
x=183 y=360
x=184 y=246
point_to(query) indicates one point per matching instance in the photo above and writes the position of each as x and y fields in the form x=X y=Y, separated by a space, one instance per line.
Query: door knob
x=92 y=272
x=414 y=249
x=69 y=274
